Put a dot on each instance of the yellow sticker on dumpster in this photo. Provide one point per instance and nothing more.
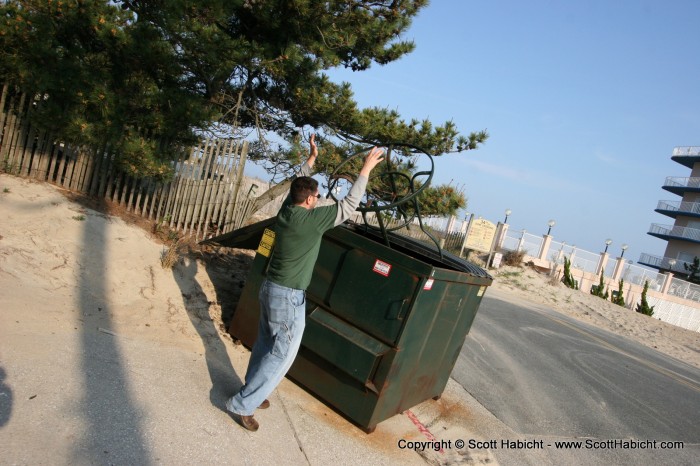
(266, 243)
(482, 290)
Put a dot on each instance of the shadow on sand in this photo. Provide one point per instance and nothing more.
(226, 273)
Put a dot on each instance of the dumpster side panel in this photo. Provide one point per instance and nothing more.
(454, 317)
(355, 353)
(430, 344)
(373, 293)
(337, 389)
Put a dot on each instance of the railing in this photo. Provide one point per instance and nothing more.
(681, 182)
(678, 206)
(557, 250)
(510, 243)
(530, 243)
(686, 150)
(663, 262)
(684, 289)
(580, 259)
(584, 260)
(520, 240)
(638, 275)
(692, 234)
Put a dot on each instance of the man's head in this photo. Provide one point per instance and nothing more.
(304, 192)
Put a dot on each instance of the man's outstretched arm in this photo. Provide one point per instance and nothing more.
(307, 168)
(349, 203)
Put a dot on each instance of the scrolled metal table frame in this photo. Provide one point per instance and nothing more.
(398, 204)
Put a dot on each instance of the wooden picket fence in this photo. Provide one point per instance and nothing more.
(208, 194)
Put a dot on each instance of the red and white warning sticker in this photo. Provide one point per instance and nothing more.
(382, 268)
(429, 284)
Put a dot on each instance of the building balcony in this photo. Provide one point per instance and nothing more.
(687, 155)
(663, 263)
(669, 232)
(675, 208)
(679, 186)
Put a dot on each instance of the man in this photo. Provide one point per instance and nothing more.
(298, 231)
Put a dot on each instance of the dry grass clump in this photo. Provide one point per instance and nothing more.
(513, 258)
(170, 255)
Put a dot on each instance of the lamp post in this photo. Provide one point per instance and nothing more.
(551, 223)
(627, 271)
(508, 212)
(671, 263)
(608, 242)
(624, 248)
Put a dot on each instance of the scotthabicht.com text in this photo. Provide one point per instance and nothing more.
(535, 444)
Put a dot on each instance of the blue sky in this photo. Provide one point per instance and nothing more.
(584, 102)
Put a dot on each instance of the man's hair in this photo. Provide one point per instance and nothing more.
(302, 187)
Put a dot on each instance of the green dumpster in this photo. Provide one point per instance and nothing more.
(384, 325)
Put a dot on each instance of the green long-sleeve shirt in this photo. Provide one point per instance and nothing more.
(298, 233)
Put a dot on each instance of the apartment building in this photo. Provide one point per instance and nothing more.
(683, 235)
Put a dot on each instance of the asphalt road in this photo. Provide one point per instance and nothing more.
(544, 376)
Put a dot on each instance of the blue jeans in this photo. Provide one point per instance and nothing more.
(282, 320)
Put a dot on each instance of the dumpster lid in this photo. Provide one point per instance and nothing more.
(420, 250)
(249, 237)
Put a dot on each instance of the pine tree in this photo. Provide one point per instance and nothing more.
(568, 279)
(619, 299)
(643, 307)
(147, 78)
(597, 290)
(693, 270)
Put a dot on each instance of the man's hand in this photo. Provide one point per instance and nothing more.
(375, 156)
(313, 151)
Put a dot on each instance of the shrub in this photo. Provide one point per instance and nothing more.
(568, 279)
(597, 290)
(170, 256)
(619, 299)
(643, 307)
(513, 258)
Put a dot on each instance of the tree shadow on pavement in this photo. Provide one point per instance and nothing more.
(113, 432)
(5, 399)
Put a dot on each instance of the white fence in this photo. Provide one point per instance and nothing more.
(638, 275)
(676, 314)
(531, 244)
(684, 289)
(590, 262)
(584, 260)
